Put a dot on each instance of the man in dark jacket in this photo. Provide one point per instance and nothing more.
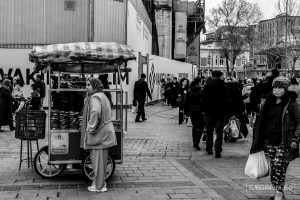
(41, 88)
(193, 108)
(216, 107)
(139, 92)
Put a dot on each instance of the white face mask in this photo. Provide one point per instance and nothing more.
(278, 92)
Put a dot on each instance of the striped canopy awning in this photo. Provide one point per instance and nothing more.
(81, 51)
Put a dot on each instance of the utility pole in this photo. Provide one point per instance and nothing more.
(286, 32)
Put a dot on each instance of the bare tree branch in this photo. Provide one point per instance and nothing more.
(230, 21)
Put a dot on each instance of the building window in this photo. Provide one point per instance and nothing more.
(221, 61)
(216, 61)
(244, 61)
(208, 60)
(203, 62)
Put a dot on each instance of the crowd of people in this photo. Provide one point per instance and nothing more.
(11, 95)
(269, 106)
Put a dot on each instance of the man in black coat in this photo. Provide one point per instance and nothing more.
(139, 94)
(216, 107)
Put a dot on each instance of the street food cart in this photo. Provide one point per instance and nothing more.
(69, 66)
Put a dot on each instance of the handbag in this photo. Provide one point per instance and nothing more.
(134, 102)
(178, 101)
(257, 166)
(134, 109)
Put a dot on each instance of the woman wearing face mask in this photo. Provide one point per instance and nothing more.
(97, 131)
(277, 131)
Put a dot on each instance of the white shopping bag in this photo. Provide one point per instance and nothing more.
(234, 129)
(257, 165)
(134, 109)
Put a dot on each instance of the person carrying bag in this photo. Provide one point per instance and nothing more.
(277, 131)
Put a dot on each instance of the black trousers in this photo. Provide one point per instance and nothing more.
(197, 120)
(181, 114)
(217, 124)
(141, 110)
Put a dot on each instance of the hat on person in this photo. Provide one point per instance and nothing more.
(216, 73)
(6, 83)
(281, 82)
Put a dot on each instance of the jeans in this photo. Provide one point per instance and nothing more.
(217, 124)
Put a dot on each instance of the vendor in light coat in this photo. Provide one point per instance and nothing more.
(98, 133)
(277, 131)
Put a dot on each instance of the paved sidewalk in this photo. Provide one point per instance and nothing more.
(159, 163)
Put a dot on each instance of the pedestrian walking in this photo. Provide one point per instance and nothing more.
(162, 89)
(193, 109)
(140, 90)
(174, 91)
(262, 89)
(246, 95)
(6, 101)
(215, 102)
(184, 86)
(296, 88)
(277, 131)
(97, 131)
(17, 88)
(167, 92)
(6, 76)
(17, 92)
(41, 88)
(237, 107)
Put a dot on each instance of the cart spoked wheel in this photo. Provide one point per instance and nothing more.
(43, 168)
(88, 168)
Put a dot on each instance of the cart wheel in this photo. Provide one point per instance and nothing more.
(88, 168)
(43, 168)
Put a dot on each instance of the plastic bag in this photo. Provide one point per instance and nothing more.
(257, 165)
(134, 109)
(234, 129)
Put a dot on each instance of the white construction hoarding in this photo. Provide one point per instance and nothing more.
(139, 37)
(15, 62)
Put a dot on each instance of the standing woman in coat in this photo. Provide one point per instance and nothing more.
(97, 131)
(6, 101)
(277, 130)
(184, 86)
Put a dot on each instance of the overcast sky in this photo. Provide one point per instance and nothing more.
(267, 6)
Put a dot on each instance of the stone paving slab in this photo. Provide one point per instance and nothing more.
(159, 163)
